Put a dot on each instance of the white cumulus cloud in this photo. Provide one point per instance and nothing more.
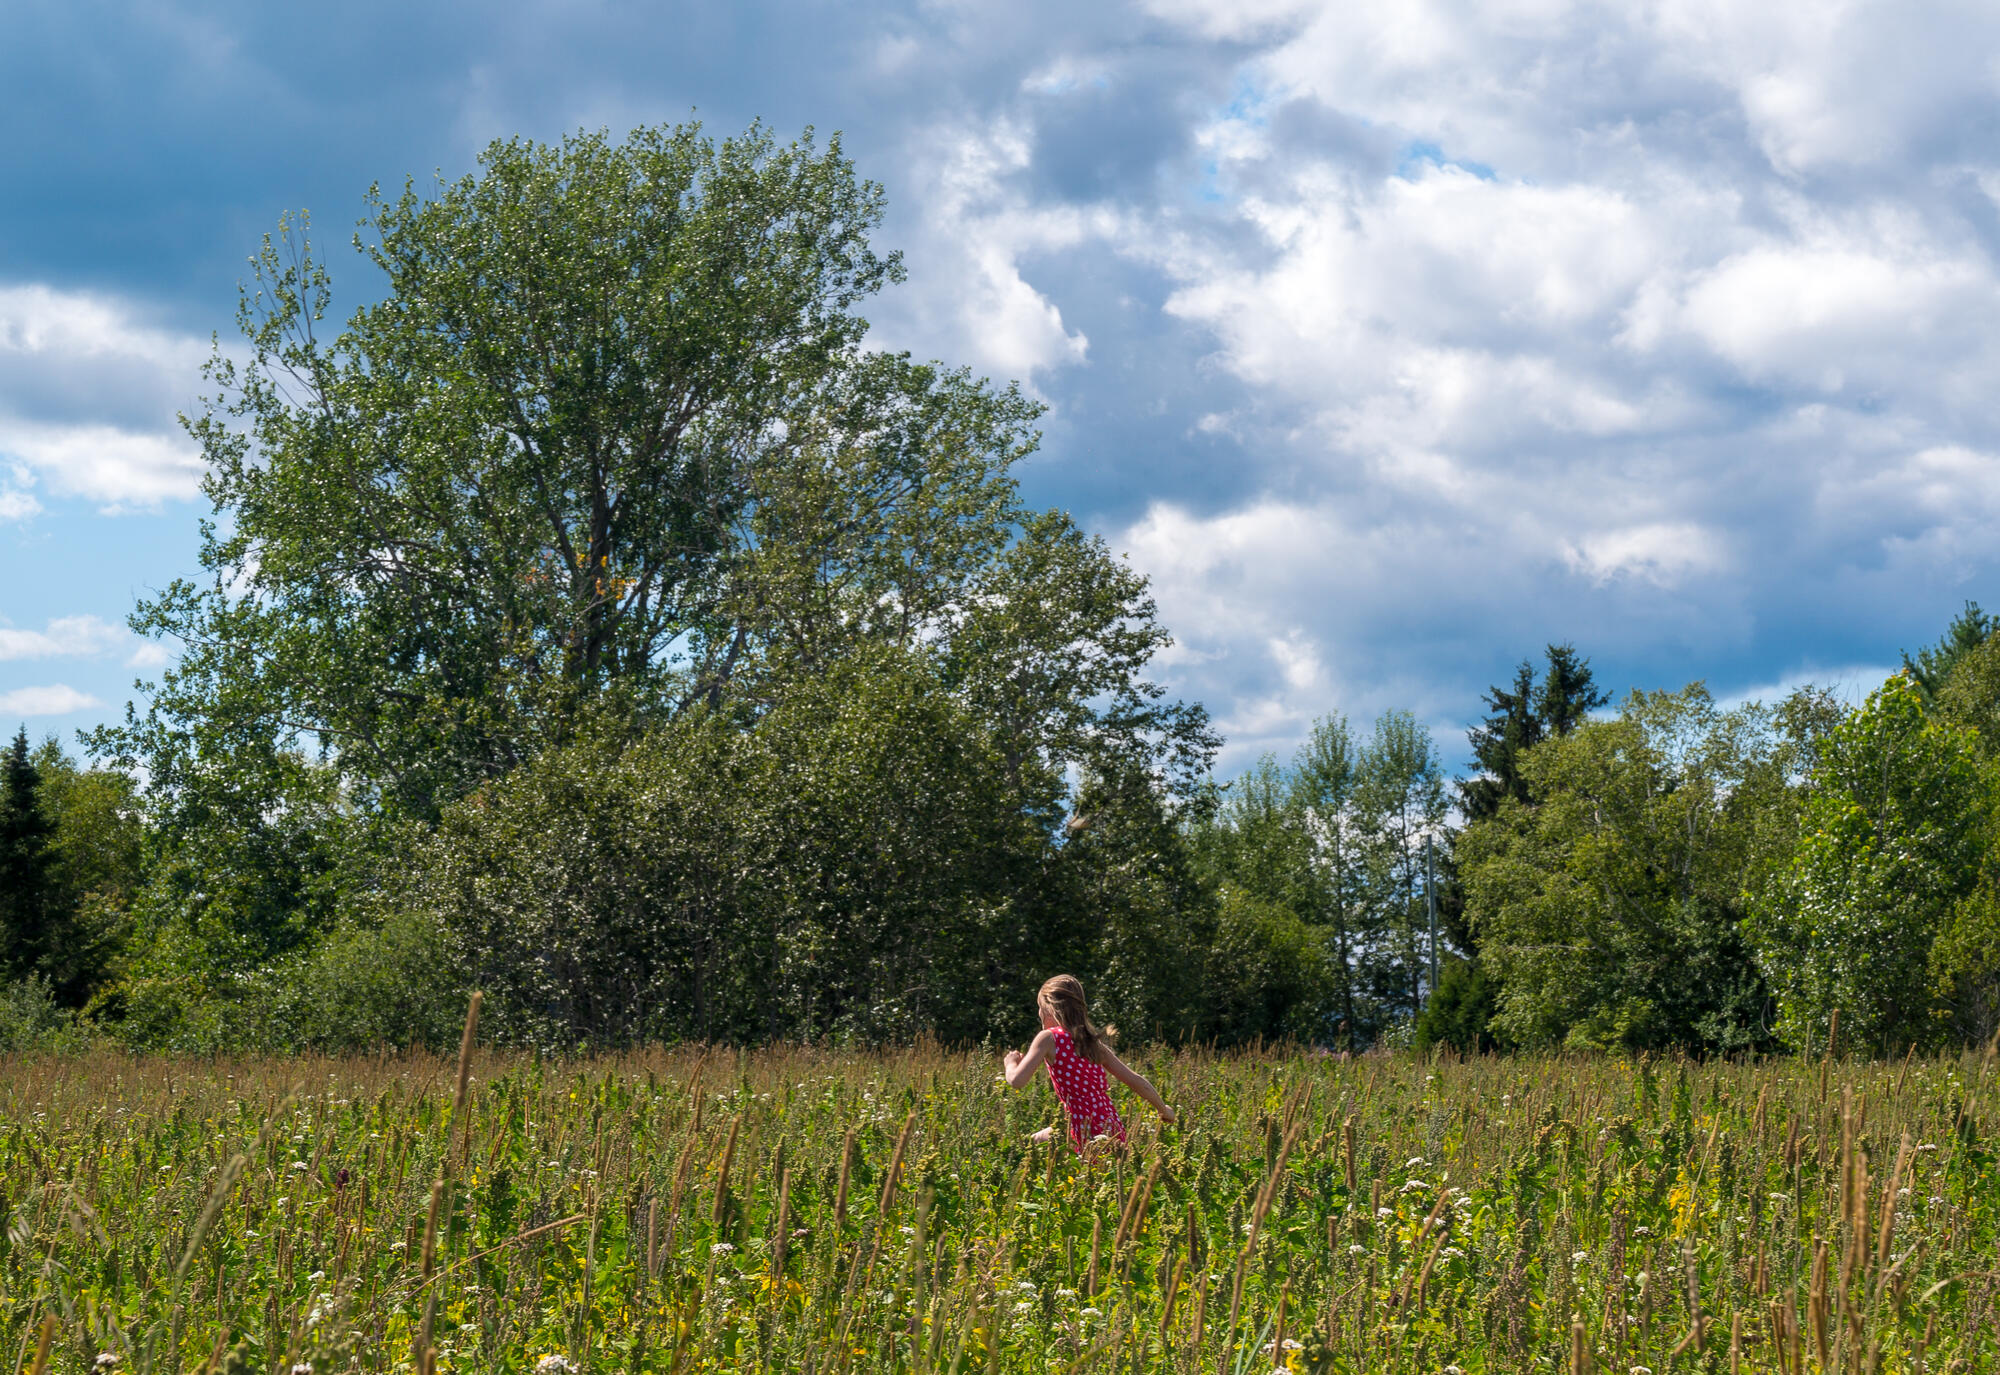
(88, 398)
(55, 699)
(64, 636)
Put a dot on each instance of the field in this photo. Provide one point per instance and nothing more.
(805, 1210)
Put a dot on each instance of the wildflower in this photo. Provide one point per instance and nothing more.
(300, 1167)
(1022, 1310)
(553, 1365)
(1385, 1212)
(1642, 1370)
(106, 1359)
(1413, 1162)
(1934, 1200)
(315, 1277)
(907, 1231)
(1357, 1249)
(722, 1248)
(1026, 1286)
(1453, 1370)
(1578, 1257)
(468, 1327)
(1065, 1293)
(1452, 1253)
(1093, 1312)
(399, 1245)
(302, 1368)
(1642, 1231)
(1290, 1345)
(1927, 1146)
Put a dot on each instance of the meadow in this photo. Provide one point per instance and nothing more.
(815, 1210)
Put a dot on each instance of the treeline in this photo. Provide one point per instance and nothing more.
(1673, 874)
(595, 622)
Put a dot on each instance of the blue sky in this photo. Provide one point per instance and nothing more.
(1391, 345)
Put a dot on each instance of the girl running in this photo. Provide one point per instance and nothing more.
(1078, 1055)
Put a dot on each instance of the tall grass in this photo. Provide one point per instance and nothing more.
(804, 1209)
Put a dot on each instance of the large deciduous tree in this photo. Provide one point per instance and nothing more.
(609, 449)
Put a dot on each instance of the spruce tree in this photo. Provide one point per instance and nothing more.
(26, 855)
(1931, 666)
(1521, 718)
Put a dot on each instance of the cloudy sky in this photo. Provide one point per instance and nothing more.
(1391, 341)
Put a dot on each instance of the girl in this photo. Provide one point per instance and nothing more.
(1078, 1055)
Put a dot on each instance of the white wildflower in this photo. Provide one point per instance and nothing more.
(1385, 1212)
(1093, 1312)
(1452, 1253)
(1357, 1249)
(1578, 1257)
(1022, 1310)
(302, 1368)
(1065, 1293)
(722, 1248)
(300, 1166)
(1413, 1162)
(106, 1359)
(553, 1365)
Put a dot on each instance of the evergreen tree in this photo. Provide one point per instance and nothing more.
(1933, 665)
(26, 851)
(1521, 719)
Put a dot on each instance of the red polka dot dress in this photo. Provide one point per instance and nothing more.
(1079, 1084)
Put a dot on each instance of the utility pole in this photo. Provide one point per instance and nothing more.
(1431, 903)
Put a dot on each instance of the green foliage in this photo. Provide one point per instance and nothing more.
(1331, 846)
(1522, 717)
(598, 603)
(1269, 974)
(71, 863)
(1460, 1013)
(29, 915)
(1934, 665)
(1609, 910)
(1894, 826)
(859, 863)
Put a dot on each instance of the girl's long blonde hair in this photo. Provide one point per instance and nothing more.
(1062, 998)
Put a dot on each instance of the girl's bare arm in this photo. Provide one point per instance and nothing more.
(1136, 1082)
(1021, 1068)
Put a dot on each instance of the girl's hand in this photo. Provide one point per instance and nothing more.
(1011, 1059)
(1168, 1115)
